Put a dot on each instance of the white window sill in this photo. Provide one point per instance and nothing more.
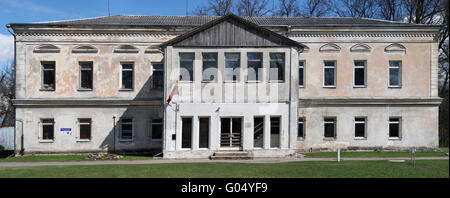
(301, 86)
(84, 89)
(46, 141)
(359, 86)
(360, 138)
(254, 81)
(330, 87)
(257, 148)
(209, 81)
(125, 89)
(394, 138)
(300, 139)
(83, 140)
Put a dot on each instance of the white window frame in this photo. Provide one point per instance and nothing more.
(360, 122)
(261, 79)
(304, 72)
(43, 88)
(225, 67)
(399, 74)
(79, 123)
(121, 75)
(41, 130)
(303, 121)
(365, 73)
(132, 129)
(399, 122)
(335, 73)
(284, 71)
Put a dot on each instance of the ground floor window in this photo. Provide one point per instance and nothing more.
(204, 132)
(48, 126)
(360, 127)
(157, 129)
(85, 128)
(275, 132)
(230, 132)
(258, 132)
(126, 129)
(186, 132)
(301, 128)
(330, 127)
(394, 127)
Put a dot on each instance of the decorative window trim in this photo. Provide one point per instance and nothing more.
(395, 47)
(41, 131)
(360, 47)
(46, 48)
(126, 49)
(330, 47)
(85, 49)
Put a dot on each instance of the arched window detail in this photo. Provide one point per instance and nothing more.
(360, 47)
(85, 49)
(46, 48)
(395, 47)
(126, 49)
(329, 47)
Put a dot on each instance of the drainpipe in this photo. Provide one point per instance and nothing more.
(114, 134)
(290, 99)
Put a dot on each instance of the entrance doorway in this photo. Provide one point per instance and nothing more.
(230, 133)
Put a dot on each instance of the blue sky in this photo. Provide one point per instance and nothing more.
(19, 11)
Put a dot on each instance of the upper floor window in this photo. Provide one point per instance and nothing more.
(127, 75)
(276, 67)
(86, 75)
(186, 66)
(48, 75)
(209, 72)
(254, 64)
(329, 74)
(395, 73)
(360, 74)
(158, 76)
(301, 73)
(232, 67)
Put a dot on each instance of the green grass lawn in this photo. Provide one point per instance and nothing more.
(60, 158)
(377, 154)
(344, 169)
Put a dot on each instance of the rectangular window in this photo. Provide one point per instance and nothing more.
(276, 67)
(275, 132)
(360, 127)
(127, 75)
(360, 74)
(157, 129)
(86, 75)
(48, 126)
(232, 67)
(301, 73)
(394, 127)
(126, 129)
(254, 64)
(395, 73)
(209, 72)
(158, 76)
(186, 133)
(187, 66)
(258, 132)
(48, 75)
(203, 132)
(330, 127)
(85, 128)
(329, 72)
(301, 128)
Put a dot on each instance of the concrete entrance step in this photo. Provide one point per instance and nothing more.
(231, 155)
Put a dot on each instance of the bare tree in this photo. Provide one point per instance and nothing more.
(215, 7)
(287, 8)
(7, 93)
(253, 8)
(422, 11)
(391, 10)
(314, 8)
(355, 8)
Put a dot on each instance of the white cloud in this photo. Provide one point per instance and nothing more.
(6, 48)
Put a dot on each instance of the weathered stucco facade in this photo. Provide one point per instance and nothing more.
(110, 42)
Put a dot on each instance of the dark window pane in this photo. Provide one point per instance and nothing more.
(186, 133)
(47, 131)
(157, 129)
(258, 132)
(85, 131)
(276, 66)
(86, 79)
(359, 76)
(127, 79)
(300, 130)
(48, 75)
(360, 130)
(275, 132)
(127, 128)
(204, 133)
(232, 67)
(394, 76)
(209, 67)
(300, 76)
(329, 76)
(254, 64)
(329, 128)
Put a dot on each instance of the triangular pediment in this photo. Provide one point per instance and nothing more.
(231, 31)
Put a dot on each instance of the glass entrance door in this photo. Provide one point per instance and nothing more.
(230, 133)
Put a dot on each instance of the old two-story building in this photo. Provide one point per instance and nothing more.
(266, 86)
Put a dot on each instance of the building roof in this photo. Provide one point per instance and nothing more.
(131, 20)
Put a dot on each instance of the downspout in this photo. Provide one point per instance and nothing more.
(163, 102)
(114, 134)
(9, 28)
(290, 99)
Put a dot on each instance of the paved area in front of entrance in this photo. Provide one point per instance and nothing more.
(162, 161)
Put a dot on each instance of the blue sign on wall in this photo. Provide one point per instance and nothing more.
(66, 131)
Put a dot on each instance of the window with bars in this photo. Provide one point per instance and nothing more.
(48, 127)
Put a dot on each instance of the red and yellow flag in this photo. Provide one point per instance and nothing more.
(173, 93)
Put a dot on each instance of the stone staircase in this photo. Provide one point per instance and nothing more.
(231, 155)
